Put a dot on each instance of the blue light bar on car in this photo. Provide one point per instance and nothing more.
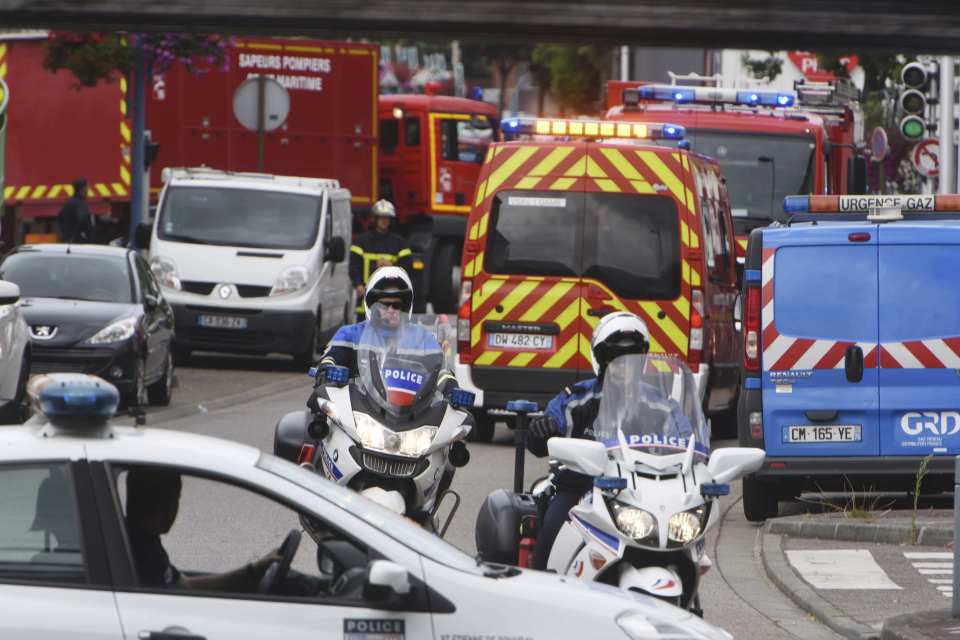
(709, 95)
(918, 203)
(73, 395)
(604, 129)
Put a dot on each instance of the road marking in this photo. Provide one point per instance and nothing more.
(934, 563)
(853, 569)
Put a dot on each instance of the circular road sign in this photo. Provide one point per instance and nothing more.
(926, 157)
(878, 144)
(276, 103)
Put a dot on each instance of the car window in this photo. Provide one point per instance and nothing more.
(632, 244)
(40, 538)
(143, 277)
(411, 131)
(70, 276)
(535, 233)
(389, 136)
(913, 273)
(195, 539)
(461, 141)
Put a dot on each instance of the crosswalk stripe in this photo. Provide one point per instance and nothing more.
(854, 569)
(940, 580)
(928, 555)
(934, 572)
(933, 565)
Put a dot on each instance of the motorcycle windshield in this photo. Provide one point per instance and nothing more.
(399, 362)
(651, 401)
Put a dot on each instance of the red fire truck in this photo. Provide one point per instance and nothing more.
(431, 151)
(769, 144)
(57, 132)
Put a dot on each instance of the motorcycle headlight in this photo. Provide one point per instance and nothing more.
(290, 279)
(374, 435)
(117, 332)
(632, 522)
(165, 272)
(684, 527)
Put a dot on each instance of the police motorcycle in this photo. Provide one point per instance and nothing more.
(388, 433)
(655, 492)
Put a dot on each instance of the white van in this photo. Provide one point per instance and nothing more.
(250, 262)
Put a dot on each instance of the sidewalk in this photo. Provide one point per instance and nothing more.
(864, 578)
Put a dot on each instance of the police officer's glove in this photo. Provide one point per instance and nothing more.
(544, 427)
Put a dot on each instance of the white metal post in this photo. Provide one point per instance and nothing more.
(947, 147)
(624, 62)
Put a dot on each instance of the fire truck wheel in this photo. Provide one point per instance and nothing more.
(444, 283)
(483, 427)
(759, 500)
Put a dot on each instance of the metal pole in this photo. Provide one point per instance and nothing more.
(261, 108)
(947, 171)
(956, 538)
(520, 450)
(624, 62)
(137, 189)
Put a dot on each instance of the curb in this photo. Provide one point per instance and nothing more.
(778, 570)
(933, 535)
(169, 415)
(905, 627)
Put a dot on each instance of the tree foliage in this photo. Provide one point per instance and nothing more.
(577, 74)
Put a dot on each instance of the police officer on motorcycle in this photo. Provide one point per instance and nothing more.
(377, 248)
(572, 413)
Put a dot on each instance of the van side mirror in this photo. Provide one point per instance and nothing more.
(336, 250)
(857, 175)
(9, 293)
(142, 234)
(385, 579)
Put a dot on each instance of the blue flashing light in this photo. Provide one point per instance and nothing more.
(511, 125)
(684, 95)
(673, 132)
(610, 483)
(752, 276)
(796, 204)
(522, 406)
(683, 144)
(313, 371)
(71, 395)
(785, 100)
(462, 398)
(714, 490)
(336, 376)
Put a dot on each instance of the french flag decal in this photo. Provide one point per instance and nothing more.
(402, 385)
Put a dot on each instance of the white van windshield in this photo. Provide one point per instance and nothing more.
(239, 217)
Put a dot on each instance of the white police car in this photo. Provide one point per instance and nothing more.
(75, 561)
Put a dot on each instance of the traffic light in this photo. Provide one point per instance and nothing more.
(913, 100)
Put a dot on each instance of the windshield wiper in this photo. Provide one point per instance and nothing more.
(177, 237)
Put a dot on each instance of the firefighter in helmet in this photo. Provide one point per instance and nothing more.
(378, 247)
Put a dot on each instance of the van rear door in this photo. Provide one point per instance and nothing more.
(819, 322)
(919, 339)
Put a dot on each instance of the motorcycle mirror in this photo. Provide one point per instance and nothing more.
(733, 462)
(585, 456)
(459, 455)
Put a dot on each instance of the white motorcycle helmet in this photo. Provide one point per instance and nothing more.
(383, 208)
(617, 334)
(389, 282)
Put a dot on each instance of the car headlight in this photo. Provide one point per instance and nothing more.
(165, 272)
(640, 626)
(632, 522)
(117, 332)
(290, 279)
(374, 435)
(685, 526)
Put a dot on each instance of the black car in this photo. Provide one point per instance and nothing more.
(96, 309)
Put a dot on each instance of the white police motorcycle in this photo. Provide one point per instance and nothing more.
(389, 433)
(655, 494)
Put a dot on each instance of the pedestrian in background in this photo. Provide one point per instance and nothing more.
(75, 218)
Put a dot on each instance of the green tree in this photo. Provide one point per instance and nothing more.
(479, 59)
(578, 74)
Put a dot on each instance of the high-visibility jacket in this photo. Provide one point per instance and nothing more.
(372, 247)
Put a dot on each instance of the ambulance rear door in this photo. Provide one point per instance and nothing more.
(919, 338)
(640, 226)
(819, 336)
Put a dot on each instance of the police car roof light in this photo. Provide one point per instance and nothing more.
(879, 207)
(564, 128)
(708, 95)
(73, 396)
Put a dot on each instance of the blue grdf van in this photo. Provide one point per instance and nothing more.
(851, 331)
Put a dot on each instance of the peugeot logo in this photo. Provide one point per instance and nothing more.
(43, 331)
(224, 291)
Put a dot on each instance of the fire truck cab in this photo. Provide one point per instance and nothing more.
(576, 219)
(770, 144)
(431, 151)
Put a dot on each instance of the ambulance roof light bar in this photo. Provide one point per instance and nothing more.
(708, 95)
(559, 127)
(878, 208)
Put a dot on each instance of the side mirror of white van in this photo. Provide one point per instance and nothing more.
(734, 462)
(584, 456)
(335, 251)
(142, 234)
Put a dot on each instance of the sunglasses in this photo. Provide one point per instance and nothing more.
(392, 304)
